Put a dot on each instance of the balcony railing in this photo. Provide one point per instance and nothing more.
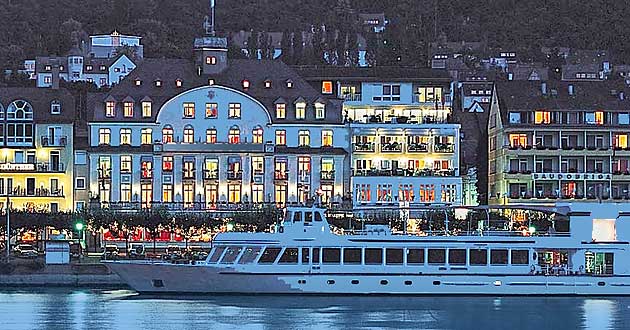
(36, 192)
(412, 119)
(210, 174)
(280, 175)
(54, 141)
(418, 147)
(364, 147)
(407, 172)
(188, 174)
(32, 167)
(146, 174)
(235, 175)
(104, 173)
(327, 175)
(392, 147)
(352, 97)
(444, 148)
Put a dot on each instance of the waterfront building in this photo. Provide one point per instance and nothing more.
(107, 45)
(558, 140)
(215, 132)
(36, 142)
(404, 144)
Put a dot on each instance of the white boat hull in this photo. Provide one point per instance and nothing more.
(204, 279)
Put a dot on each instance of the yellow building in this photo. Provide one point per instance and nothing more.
(36, 129)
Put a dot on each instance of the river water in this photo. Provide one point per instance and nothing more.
(121, 309)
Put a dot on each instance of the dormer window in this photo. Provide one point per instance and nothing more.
(61, 68)
(210, 82)
(320, 110)
(178, 83)
(267, 83)
(47, 68)
(158, 83)
(327, 87)
(128, 109)
(289, 83)
(103, 68)
(300, 110)
(211, 60)
(110, 109)
(245, 84)
(89, 68)
(138, 82)
(55, 107)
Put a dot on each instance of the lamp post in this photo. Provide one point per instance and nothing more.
(8, 229)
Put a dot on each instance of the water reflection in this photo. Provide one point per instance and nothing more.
(86, 309)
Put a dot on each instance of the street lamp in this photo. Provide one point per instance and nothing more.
(8, 228)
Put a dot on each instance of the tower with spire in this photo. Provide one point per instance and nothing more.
(210, 51)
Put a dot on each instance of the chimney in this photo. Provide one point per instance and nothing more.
(55, 73)
(571, 90)
(543, 88)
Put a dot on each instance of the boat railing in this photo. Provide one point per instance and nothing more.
(511, 233)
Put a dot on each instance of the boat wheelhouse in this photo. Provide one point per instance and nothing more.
(582, 252)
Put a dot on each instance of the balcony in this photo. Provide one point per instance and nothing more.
(327, 175)
(104, 173)
(352, 97)
(403, 120)
(188, 174)
(405, 172)
(211, 174)
(146, 174)
(32, 167)
(36, 192)
(364, 147)
(418, 147)
(54, 141)
(281, 175)
(437, 103)
(391, 147)
(444, 148)
(235, 175)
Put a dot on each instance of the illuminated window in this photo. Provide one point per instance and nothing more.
(210, 82)
(281, 110)
(245, 84)
(327, 138)
(89, 68)
(104, 136)
(429, 94)
(125, 136)
(518, 140)
(427, 193)
(110, 109)
(212, 110)
(320, 110)
(405, 193)
(146, 136)
(300, 110)
(234, 111)
(167, 193)
(449, 193)
(599, 117)
(211, 135)
(267, 83)
(138, 82)
(620, 140)
(234, 135)
(125, 164)
(178, 83)
(125, 192)
(363, 192)
(327, 87)
(158, 83)
(281, 137)
(289, 83)
(189, 134)
(146, 168)
(384, 193)
(146, 109)
(258, 165)
(211, 60)
(167, 134)
(304, 165)
(167, 164)
(257, 135)
(128, 109)
(304, 138)
(542, 117)
(189, 110)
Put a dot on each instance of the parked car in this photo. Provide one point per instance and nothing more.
(136, 251)
(25, 251)
(173, 252)
(110, 252)
(196, 253)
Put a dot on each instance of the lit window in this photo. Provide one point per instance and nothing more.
(281, 137)
(55, 107)
(599, 117)
(167, 163)
(212, 110)
(102, 68)
(47, 68)
(518, 140)
(620, 140)
(189, 110)
(189, 134)
(211, 60)
(281, 110)
(125, 164)
(210, 82)
(146, 109)
(289, 83)
(48, 80)
(128, 109)
(178, 83)
(146, 136)
(234, 135)
(304, 138)
(138, 82)
(88, 68)
(300, 110)
(327, 138)
(429, 94)
(245, 84)
(234, 111)
(125, 136)
(320, 110)
(104, 136)
(167, 134)
(257, 135)
(542, 117)
(267, 83)
(158, 83)
(110, 109)
(211, 135)
(327, 87)
(61, 68)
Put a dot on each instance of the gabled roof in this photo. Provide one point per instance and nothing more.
(40, 99)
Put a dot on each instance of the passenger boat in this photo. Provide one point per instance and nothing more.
(304, 256)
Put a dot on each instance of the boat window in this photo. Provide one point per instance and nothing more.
(436, 256)
(352, 256)
(216, 254)
(478, 257)
(249, 255)
(456, 256)
(269, 255)
(230, 254)
(331, 255)
(415, 256)
(297, 216)
(373, 256)
(318, 216)
(393, 256)
(520, 257)
(290, 256)
(498, 257)
(315, 255)
(308, 216)
(305, 255)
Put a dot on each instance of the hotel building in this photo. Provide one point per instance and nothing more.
(36, 142)
(404, 145)
(551, 141)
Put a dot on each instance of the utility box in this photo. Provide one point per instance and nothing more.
(57, 252)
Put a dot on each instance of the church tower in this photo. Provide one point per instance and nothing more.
(210, 51)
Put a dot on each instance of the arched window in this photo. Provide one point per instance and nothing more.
(257, 135)
(20, 110)
(304, 138)
(189, 134)
(167, 134)
(146, 136)
(19, 129)
(211, 135)
(234, 135)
